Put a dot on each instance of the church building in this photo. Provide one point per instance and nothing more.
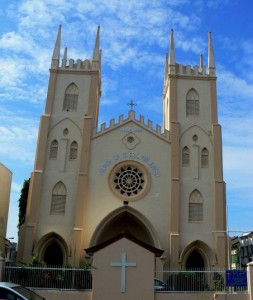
(163, 185)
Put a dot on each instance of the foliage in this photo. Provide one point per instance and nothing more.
(87, 265)
(23, 202)
(218, 281)
(36, 262)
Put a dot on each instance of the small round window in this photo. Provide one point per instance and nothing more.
(129, 180)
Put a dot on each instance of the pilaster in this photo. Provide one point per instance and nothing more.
(42, 143)
(82, 190)
(174, 215)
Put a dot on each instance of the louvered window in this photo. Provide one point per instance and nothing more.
(192, 103)
(58, 202)
(195, 207)
(70, 98)
(186, 157)
(53, 150)
(73, 151)
(204, 158)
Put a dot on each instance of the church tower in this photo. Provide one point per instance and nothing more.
(197, 196)
(163, 186)
(62, 157)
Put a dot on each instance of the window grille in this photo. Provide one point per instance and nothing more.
(73, 151)
(53, 150)
(70, 98)
(58, 202)
(186, 157)
(204, 158)
(192, 103)
(195, 207)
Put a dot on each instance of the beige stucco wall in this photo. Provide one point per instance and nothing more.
(64, 295)
(83, 295)
(5, 186)
(153, 207)
(205, 180)
(139, 280)
(202, 296)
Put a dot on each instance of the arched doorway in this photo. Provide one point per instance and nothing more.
(195, 261)
(197, 255)
(128, 221)
(53, 254)
(52, 249)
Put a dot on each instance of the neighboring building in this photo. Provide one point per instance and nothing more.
(5, 188)
(164, 186)
(10, 250)
(241, 250)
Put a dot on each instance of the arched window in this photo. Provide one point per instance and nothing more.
(185, 157)
(73, 151)
(53, 150)
(204, 158)
(192, 103)
(59, 196)
(195, 207)
(70, 97)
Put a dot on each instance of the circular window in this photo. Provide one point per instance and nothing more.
(195, 138)
(129, 181)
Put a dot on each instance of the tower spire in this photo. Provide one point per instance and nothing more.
(172, 62)
(96, 51)
(172, 51)
(57, 48)
(211, 63)
(166, 66)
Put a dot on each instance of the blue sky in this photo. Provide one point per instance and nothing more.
(134, 41)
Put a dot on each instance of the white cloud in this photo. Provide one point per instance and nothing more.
(16, 187)
(18, 137)
(235, 91)
(11, 72)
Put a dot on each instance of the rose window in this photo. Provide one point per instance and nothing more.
(129, 181)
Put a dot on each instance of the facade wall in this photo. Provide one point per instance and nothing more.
(112, 161)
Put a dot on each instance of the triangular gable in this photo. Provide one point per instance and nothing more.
(90, 251)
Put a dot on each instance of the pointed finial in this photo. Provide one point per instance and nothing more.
(172, 51)
(64, 60)
(65, 53)
(57, 48)
(96, 52)
(211, 63)
(166, 66)
(201, 61)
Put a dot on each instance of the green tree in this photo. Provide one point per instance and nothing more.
(23, 202)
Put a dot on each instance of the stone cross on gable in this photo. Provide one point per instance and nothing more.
(132, 104)
(123, 264)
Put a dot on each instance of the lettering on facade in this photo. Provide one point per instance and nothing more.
(130, 129)
(117, 157)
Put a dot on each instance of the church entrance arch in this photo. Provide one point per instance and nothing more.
(128, 221)
(52, 250)
(197, 255)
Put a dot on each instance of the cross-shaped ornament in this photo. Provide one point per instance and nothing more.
(132, 104)
(123, 264)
